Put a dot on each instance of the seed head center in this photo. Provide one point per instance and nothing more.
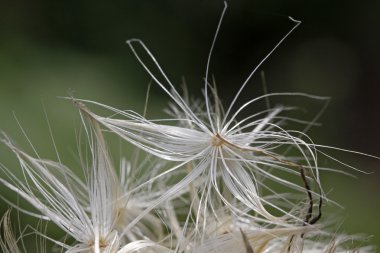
(217, 140)
(102, 243)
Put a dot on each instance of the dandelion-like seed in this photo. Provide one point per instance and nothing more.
(95, 212)
(227, 153)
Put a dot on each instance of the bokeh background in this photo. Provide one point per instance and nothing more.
(49, 49)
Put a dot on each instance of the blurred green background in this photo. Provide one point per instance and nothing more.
(51, 48)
